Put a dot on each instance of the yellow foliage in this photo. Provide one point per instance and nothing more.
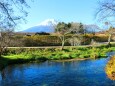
(110, 68)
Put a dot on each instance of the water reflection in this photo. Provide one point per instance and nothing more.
(110, 68)
(49, 73)
(0, 77)
(2, 74)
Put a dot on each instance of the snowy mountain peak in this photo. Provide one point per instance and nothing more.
(48, 22)
(45, 26)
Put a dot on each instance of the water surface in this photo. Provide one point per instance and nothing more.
(49, 73)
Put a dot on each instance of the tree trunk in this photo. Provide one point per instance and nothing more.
(109, 40)
(62, 46)
(0, 55)
(0, 52)
(63, 43)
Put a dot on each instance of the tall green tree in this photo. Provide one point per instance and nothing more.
(81, 28)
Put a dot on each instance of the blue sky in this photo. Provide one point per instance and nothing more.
(61, 10)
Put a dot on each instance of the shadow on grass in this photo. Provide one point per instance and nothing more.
(6, 61)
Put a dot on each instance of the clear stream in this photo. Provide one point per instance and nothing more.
(49, 73)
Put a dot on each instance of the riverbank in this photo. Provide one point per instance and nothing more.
(69, 60)
(24, 55)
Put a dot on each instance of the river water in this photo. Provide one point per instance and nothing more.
(49, 73)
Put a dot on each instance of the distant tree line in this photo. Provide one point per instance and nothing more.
(76, 30)
(54, 40)
(66, 34)
(73, 34)
(42, 33)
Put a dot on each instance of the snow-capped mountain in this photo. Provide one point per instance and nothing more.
(45, 26)
(49, 22)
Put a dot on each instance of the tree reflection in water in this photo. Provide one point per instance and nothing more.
(110, 68)
(0, 77)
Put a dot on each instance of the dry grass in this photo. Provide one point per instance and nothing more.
(110, 68)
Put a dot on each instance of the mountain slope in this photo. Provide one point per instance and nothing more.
(45, 26)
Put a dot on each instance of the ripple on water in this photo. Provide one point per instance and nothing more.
(75, 73)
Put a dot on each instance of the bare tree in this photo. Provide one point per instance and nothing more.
(12, 12)
(75, 40)
(77, 30)
(5, 39)
(106, 11)
(62, 29)
(106, 14)
(110, 32)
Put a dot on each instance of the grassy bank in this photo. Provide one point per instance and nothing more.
(22, 55)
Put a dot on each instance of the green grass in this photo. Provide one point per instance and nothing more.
(19, 55)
